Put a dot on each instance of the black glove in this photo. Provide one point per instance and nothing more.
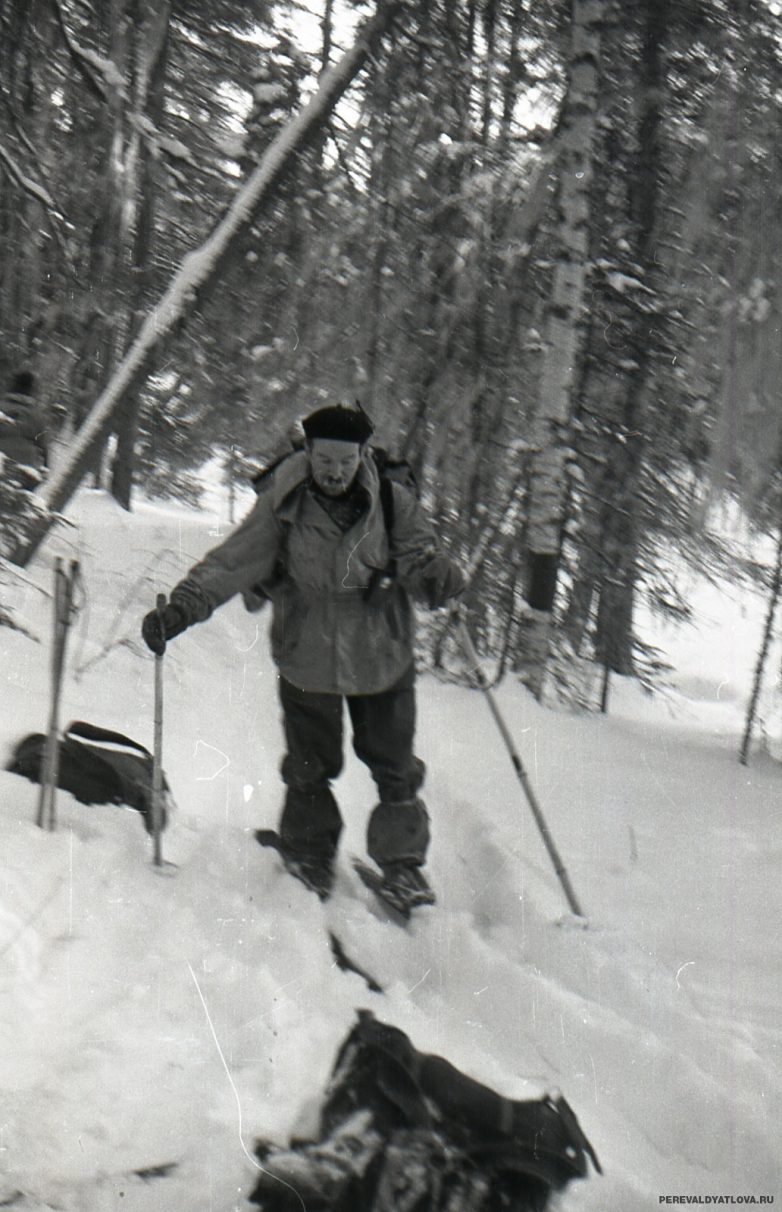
(381, 584)
(442, 580)
(159, 627)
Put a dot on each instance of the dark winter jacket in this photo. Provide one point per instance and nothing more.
(328, 635)
(22, 430)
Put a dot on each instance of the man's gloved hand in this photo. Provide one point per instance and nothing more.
(159, 627)
(442, 580)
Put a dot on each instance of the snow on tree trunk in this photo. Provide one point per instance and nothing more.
(195, 272)
(562, 337)
(617, 404)
(768, 632)
(146, 72)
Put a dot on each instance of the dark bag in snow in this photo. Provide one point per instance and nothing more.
(96, 765)
(405, 1131)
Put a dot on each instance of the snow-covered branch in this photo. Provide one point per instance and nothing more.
(108, 84)
(53, 215)
(82, 57)
(202, 264)
(26, 183)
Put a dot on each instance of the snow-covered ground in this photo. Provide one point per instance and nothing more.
(153, 1026)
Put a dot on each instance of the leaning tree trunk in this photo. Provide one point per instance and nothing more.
(563, 339)
(197, 272)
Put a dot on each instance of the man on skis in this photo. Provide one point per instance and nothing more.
(339, 554)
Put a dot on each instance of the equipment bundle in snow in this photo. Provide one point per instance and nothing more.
(96, 765)
(403, 1131)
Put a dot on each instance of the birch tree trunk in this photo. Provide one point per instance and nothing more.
(562, 337)
(198, 269)
(760, 664)
(146, 79)
(627, 328)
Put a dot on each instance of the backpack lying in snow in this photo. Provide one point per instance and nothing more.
(96, 765)
(405, 1131)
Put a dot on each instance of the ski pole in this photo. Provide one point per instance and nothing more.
(157, 752)
(48, 776)
(518, 766)
(63, 607)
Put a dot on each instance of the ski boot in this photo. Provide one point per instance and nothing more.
(405, 887)
(315, 873)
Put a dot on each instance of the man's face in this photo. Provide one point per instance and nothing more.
(333, 464)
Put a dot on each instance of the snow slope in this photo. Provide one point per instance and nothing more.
(154, 1025)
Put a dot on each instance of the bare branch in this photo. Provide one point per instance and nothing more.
(26, 183)
(341, 158)
(52, 213)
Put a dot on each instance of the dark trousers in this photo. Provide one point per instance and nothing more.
(383, 731)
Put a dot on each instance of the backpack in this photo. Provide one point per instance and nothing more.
(405, 1129)
(390, 471)
(96, 765)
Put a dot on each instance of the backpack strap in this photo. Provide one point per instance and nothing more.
(387, 504)
(262, 478)
(93, 732)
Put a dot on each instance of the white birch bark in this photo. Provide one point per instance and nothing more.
(760, 664)
(563, 321)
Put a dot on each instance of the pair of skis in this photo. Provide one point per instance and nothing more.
(370, 877)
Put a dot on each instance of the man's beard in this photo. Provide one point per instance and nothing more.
(335, 487)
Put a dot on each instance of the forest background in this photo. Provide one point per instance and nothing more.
(538, 241)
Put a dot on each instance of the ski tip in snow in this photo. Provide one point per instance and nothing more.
(346, 964)
(572, 921)
(165, 867)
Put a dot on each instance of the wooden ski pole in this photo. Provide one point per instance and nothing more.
(64, 585)
(157, 752)
(45, 813)
(521, 773)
